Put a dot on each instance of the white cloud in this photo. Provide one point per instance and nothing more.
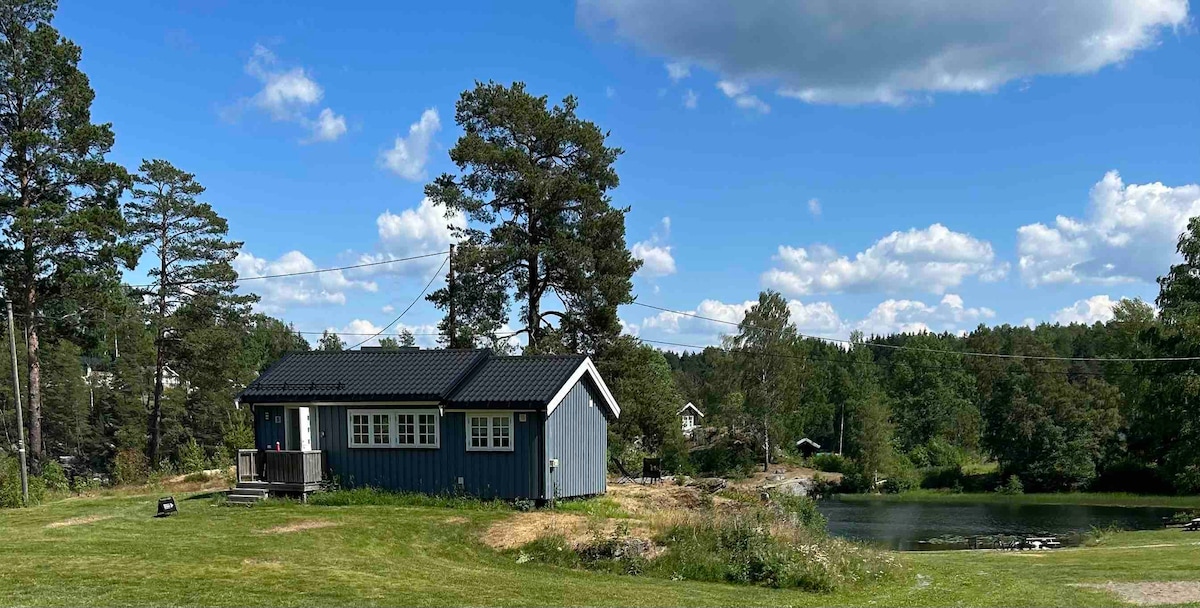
(814, 207)
(287, 94)
(857, 51)
(1129, 233)
(328, 126)
(737, 91)
(1096, 309)
(911, 316)
(408, 155)
(818, 319)
(933, 259)
(690, 99)
(415, 231)
(677, 71)
(656, 257)
(358, 330)
(278, 294)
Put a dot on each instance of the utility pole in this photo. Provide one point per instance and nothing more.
(451, 320)
(12, 349)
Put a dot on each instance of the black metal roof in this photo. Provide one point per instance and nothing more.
(455, 378)
(515, 381)
(394, 375)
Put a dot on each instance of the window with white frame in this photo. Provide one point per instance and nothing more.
(689, 421)
(489, 432)
(393, 428)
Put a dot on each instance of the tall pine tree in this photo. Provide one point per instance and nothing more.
(535, 184)
(187, 242)
(58, 195)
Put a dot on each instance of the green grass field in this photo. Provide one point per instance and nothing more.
(110, 551)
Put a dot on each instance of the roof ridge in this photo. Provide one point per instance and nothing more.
(477, 363)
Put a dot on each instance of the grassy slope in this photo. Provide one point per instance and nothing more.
(1079, 498)
(378, 555)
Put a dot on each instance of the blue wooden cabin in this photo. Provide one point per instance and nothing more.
(433, 421)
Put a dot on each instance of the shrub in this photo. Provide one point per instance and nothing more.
(197, 477)
(191, 457)
(130, 467)
(800, 511)
(1012, 485)
(830, 463)
(823, 487)
(54, 477)
(10, 484)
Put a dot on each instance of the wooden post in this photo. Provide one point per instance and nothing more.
(12, 349)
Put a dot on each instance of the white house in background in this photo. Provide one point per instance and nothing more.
(690, 416)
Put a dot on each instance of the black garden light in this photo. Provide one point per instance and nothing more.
(166, 506)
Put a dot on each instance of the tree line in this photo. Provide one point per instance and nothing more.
(1080, 408)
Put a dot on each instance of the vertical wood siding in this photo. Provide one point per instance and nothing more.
(506, 475)
(266, 431)
(577, 435)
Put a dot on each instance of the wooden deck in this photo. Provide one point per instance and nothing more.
(281, 471)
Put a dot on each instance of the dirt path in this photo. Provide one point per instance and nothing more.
(1151, 594)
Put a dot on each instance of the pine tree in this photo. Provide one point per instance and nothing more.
(535, 187)
(58, 195)
(187, 241)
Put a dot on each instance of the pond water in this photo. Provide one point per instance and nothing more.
(912, 525)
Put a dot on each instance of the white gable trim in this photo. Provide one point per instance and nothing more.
(587, 367)
(693, 407)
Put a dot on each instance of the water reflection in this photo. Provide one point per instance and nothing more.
(904, 525)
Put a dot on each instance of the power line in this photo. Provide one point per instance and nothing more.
(304, 272)
(939, 350)
(435, 275)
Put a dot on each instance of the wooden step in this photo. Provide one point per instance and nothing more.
(244, 499)
(240, 489)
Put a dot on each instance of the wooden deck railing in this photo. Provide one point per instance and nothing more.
(274, 466)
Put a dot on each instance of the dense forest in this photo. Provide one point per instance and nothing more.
(120, 381)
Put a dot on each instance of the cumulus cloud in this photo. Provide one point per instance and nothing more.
(912, 316)
(415, 231)
(856, 51)
(739, 93)
(1128, 234)
(328, 126)
(408, 155)
(358, 330)
(1096, 309)
(287, 95)
(818, 319)
(326, 288)
(656, 257)
(933, 259)
(814, 207)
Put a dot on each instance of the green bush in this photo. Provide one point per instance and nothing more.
(130, 467)
(197, 477)
(1012, 485)
(10, 484)
(831, 463)
(54, 477)
(191, 457)
(799, 510)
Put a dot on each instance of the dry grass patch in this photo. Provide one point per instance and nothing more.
(262, 564)
(299, 526)
(524, 528)
(458, 521)
(1151, 594)
(77, 521)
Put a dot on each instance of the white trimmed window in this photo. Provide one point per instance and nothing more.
(489, 432)
(394, 429)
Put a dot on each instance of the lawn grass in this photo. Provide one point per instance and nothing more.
(1077, 498)
(115, 553)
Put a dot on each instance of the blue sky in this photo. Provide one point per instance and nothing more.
(887, 166)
